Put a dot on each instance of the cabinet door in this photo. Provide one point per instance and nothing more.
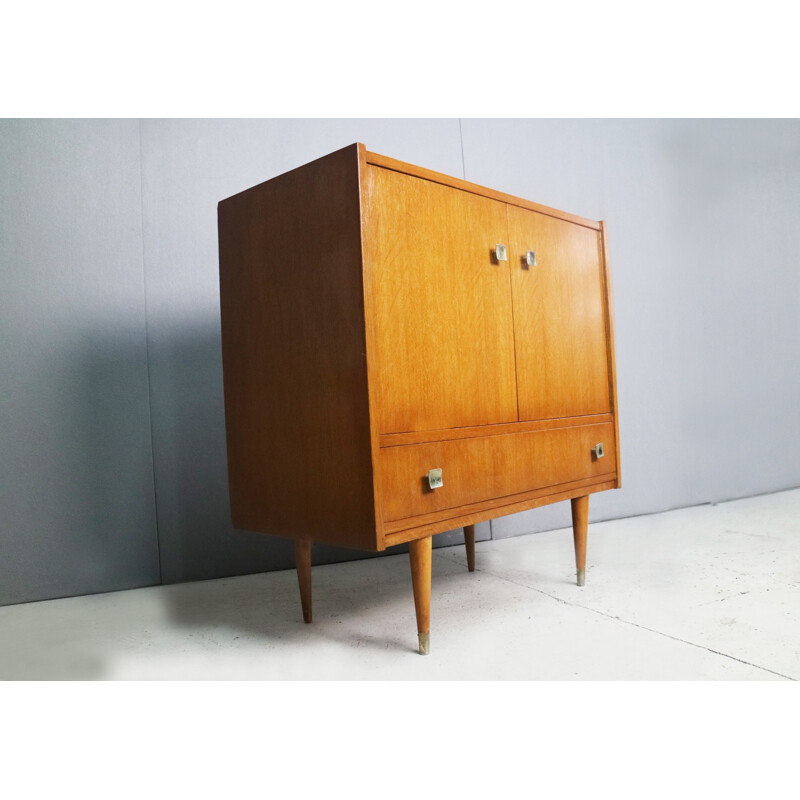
(442, 304)
(559, 317)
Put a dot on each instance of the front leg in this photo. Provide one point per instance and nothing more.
(420, 552)
(580, 528)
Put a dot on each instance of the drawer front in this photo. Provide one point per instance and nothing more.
(489, 467)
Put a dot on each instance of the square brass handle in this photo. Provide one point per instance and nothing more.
(435, 479)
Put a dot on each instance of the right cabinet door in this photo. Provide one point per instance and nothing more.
(559, 317)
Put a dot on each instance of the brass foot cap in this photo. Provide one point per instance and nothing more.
(581, 577)
(424, 644)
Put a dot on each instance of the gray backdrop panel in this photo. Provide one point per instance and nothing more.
(77, 513)
(703, 238)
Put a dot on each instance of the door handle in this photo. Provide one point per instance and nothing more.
(434, 477)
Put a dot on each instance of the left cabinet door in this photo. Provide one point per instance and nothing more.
(444, 332)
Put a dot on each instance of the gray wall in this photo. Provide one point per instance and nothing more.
(77, 512)
(111, 422)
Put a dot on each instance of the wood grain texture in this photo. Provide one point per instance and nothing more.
(466, 516)
(490, 467)
(494, 507)
(473, 188)
(559, 317)
(363, 317)
(294, 360)
(371, 346)
(441, 304)
(420, 555)
(612, 357)
(419, 437)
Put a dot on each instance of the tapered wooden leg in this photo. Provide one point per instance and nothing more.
(302, 557)
(469, 541)
(420, 553)
(580, 527)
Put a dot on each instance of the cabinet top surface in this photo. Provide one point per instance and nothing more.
(368, 157)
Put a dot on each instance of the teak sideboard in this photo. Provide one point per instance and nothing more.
(405, 353)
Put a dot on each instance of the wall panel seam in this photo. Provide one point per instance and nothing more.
(147, 355)
(461, 137)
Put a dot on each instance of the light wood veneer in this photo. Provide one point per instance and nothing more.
(372, 331)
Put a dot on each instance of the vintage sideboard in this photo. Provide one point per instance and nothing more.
(405, 353)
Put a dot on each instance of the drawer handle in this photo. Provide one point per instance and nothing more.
(501, 252)
(530, 258)
(435, 479)
(597, 451)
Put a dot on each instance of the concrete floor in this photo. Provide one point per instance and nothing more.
(711, 592)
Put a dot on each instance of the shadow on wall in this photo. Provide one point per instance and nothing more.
(119, 525)
(76, 492)
(196, 538)
(83, 518)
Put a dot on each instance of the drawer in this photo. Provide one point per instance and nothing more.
(489, 467)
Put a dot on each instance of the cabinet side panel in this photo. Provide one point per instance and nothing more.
(293, 346)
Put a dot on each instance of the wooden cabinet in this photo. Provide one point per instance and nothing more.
(382, 323)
